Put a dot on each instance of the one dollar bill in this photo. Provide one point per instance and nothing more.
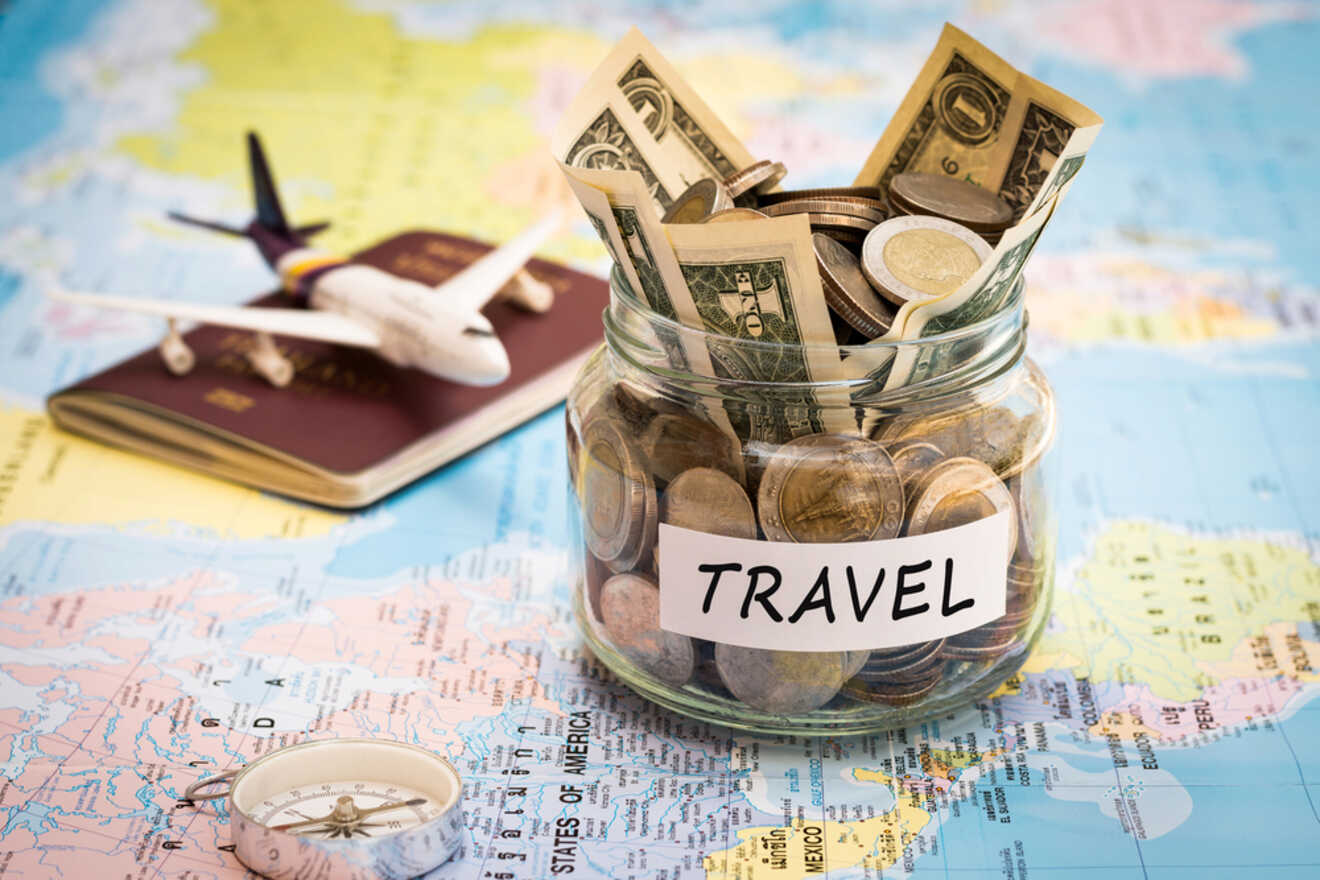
(757, 290)
(973, 116)
(636, 113)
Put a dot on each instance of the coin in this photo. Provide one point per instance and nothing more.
(761, 175)
(839, 221)
(630, 610)
(913, 460)
(830, 487)
(711, 501)
(869, 193)
(958, 491)
(618, 497)
(859, 210)
(676, 442)
(894, 693)
(729, 215)
(853, 662)
(698, 202)
(920, 258)
(960, 201)
(992, 434)
(781, 682)
(846, 288)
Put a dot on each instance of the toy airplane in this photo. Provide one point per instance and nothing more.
(437, 329)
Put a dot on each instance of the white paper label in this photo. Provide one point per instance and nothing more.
(833, 597)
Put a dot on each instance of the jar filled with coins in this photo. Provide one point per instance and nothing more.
(811, 555)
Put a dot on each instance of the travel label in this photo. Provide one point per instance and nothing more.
(833, 597)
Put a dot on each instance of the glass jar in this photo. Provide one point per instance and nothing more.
(811, 557)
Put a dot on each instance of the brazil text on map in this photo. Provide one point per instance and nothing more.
(160, 626)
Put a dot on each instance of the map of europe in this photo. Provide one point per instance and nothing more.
(159, 626)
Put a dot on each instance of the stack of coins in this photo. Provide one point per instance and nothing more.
(641, 461)
(845, 214)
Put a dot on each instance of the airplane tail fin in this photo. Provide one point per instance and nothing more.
(270, 231)
(269, 212)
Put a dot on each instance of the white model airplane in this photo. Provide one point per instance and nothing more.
(438, 329)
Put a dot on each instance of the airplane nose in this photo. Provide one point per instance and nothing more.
(494, 363)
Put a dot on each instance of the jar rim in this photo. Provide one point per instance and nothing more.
(1012, 313)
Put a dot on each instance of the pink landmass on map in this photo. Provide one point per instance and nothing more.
(1139, 39)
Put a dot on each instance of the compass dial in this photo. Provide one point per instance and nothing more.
(318, 810)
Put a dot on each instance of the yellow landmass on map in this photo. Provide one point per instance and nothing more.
(1172, 610)
(366, 126)
(813, 849)
(1110, 299)
(49, 476)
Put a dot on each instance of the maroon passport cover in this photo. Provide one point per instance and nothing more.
(347, 409)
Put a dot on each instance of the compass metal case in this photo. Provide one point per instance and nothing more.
(414, 825)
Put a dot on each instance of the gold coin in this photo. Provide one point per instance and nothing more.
(956, 492)
(829, 487)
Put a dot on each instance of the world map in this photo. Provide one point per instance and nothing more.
(159, 626)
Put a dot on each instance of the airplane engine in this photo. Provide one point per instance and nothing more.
(266, 359)
(179, 358)
(527, 292)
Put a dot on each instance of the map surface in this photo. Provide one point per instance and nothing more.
(158, 626)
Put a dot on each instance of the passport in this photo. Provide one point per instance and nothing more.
(350, 428)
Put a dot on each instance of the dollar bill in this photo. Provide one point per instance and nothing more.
(645, 254)
(984, 294)
(972, 115)
(636, 112)
(596, 205)
(756, 281)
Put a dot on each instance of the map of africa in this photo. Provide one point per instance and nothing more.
(159, 626)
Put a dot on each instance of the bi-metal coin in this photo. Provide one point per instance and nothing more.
(698, 202)
(920, 258)
(357, 809)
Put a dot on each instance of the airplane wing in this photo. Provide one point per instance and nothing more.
(302, 323)
(476, 284)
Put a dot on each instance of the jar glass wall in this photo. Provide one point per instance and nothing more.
(838, 557)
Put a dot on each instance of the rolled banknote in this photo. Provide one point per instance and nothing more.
(637, 113)
(972, 115)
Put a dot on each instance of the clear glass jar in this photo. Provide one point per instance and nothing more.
(834, 553)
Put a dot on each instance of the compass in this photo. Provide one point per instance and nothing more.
(342, 809)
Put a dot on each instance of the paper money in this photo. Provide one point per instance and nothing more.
(756, 281)
(596, 205)
(645, 254)
(981, 296)
(637, 113)
(972, 115)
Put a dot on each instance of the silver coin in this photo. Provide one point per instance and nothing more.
(782, 682)
(619, 506)
(630, 610)
(698, 202)
(846, 289)
(756, 177)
